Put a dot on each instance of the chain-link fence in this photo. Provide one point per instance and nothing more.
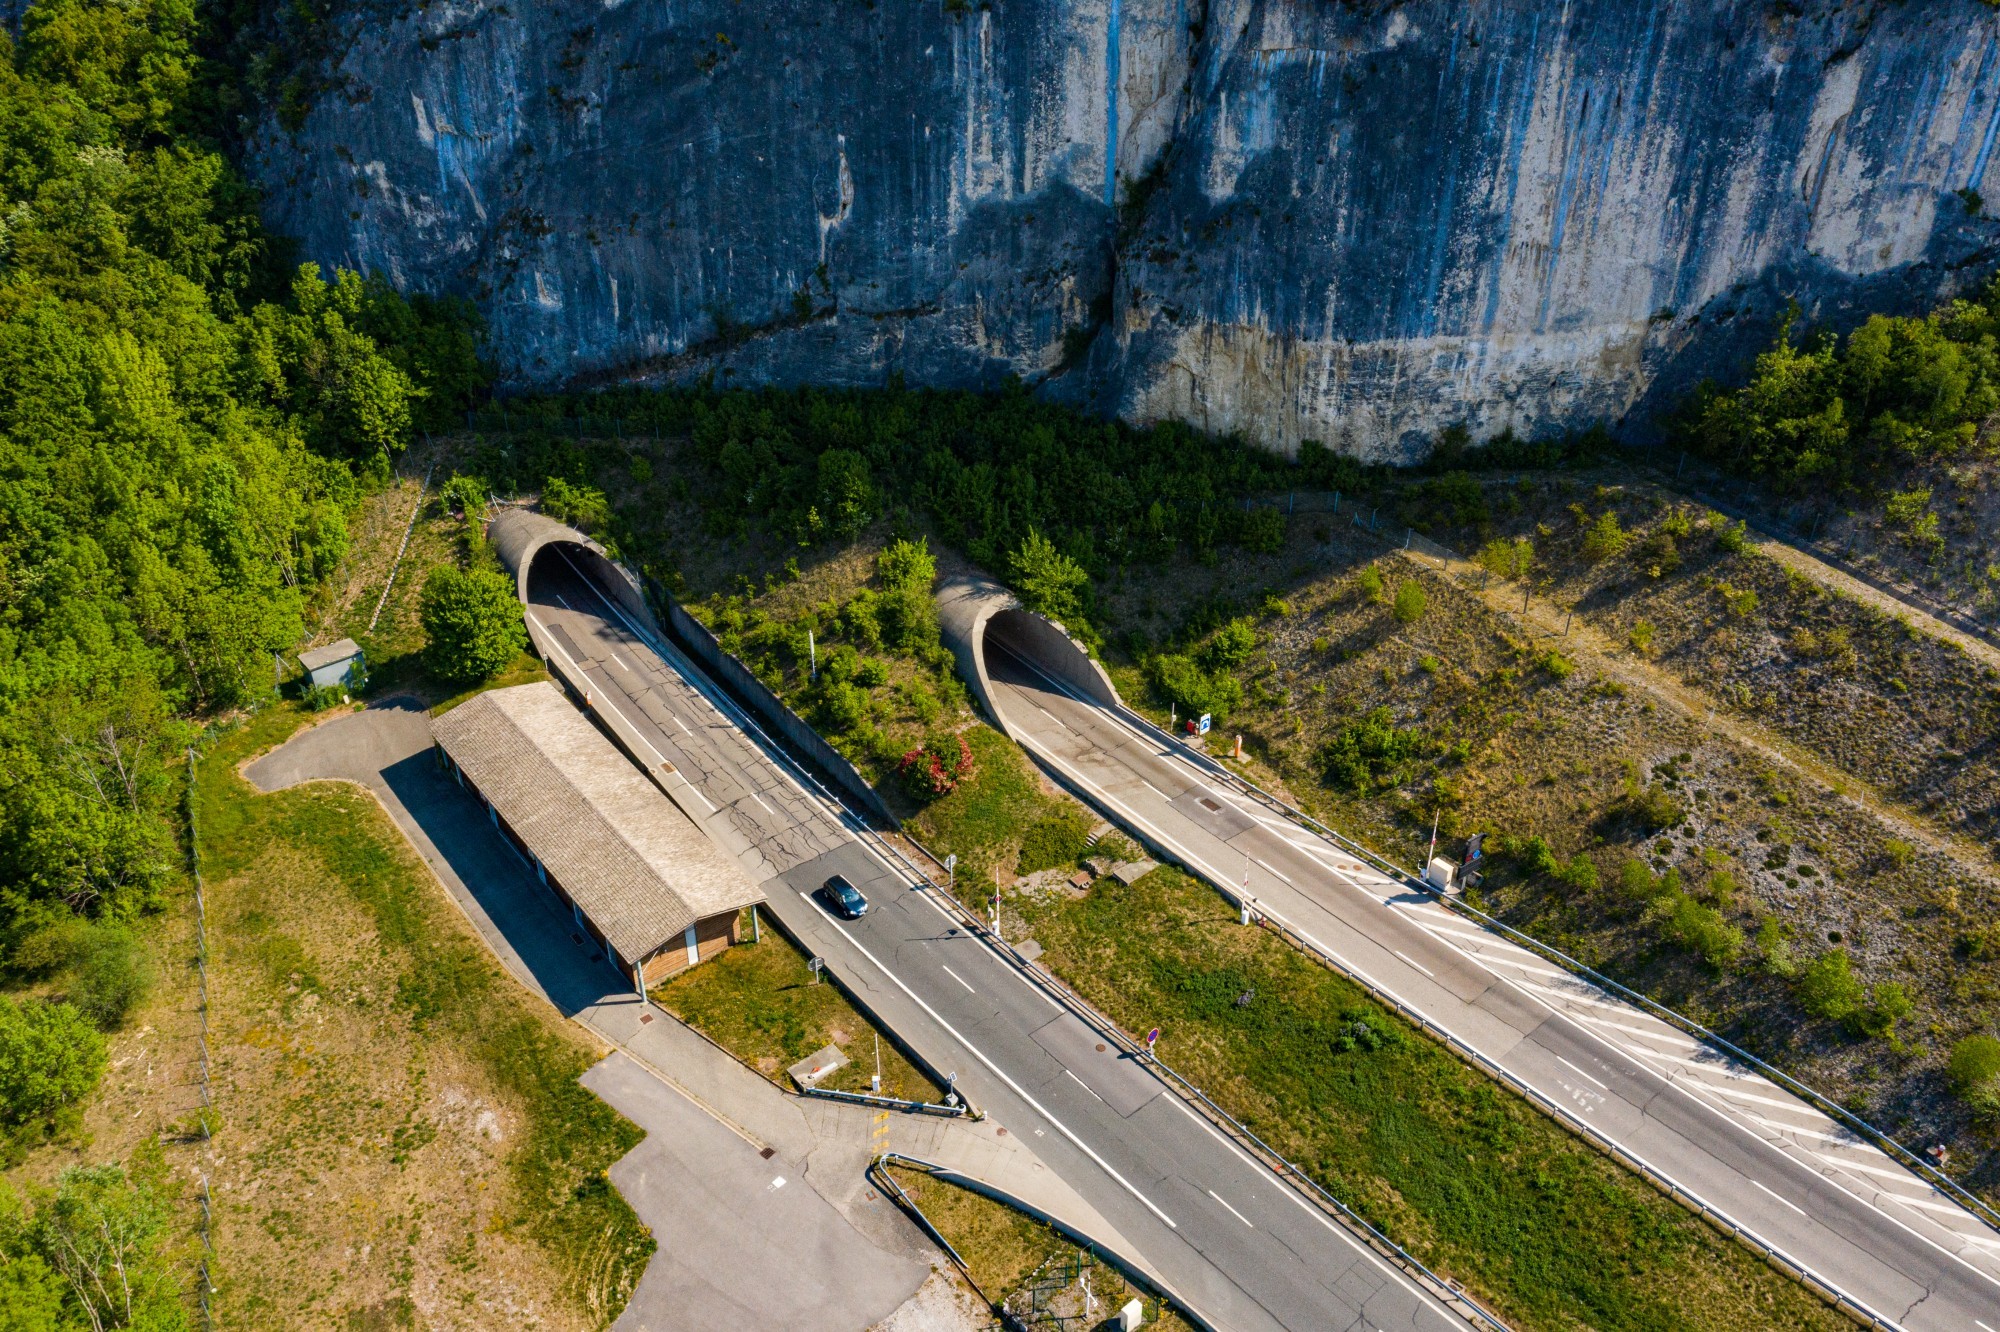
(199, 1137)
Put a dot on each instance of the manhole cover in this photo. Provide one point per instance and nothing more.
(768, 1153)
(1100, 1047)
(1210, 805)
(644, 1018)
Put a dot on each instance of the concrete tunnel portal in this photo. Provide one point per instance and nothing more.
(996, 640)
(527, 541)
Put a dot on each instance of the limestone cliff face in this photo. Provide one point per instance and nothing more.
(1298, 219)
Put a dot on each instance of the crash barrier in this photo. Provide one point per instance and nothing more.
(1778, 1257)
(878, 1173)
(741, 681)
(933, 1108)
(1440, 1287)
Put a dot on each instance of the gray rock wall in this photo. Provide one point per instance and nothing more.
(1360, 222)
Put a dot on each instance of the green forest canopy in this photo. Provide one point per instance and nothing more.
(184, 428)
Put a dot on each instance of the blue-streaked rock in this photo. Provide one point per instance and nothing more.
(1364, 221)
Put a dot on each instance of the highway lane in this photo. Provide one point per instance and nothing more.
(1237, 1243)
(1771, 1162)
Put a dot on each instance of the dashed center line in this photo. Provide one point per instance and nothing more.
(1579, 1072)
(1413, 962)
(960, 979)
(1231, 1210)
(1080, 1082)
(1786, 1201)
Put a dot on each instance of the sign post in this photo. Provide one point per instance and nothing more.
(1206, 721)
(1152, 1039)
(951, 871)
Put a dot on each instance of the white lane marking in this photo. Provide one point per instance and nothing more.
(678, 722)
(1786, 1201)
(565, 604)
(1901, 1176)
(1265, 1173)
(1231, 1210)
(1736, 1094)
(1849, 1140)
(1501, 959)
(658, 757)
(960, 979)
(1579, 1072)
(1674, 1080)
(1275, 870)
(999, 1072)
(1708, 1065)
(1983, 1323)
(1051, 716)
(620, 663)
(1413, 962)
(1155, 790)
(1086, 1086)
(760, 803)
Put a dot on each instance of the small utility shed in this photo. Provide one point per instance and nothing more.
(335, 664)
(634, 870)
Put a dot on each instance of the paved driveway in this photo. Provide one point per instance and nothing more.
(737, 1249)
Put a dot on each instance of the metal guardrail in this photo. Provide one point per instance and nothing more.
(934, 1108)
(1924, 1170)
(1839, 1299)
(878, 1171)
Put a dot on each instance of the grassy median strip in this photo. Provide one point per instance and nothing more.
(373, 1058)
(1472, 1179)
(759, 1002)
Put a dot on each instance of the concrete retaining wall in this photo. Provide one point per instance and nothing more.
(694, 637)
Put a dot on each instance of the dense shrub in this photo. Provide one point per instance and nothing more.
(1604, 539)
(936, 767)
(98, 966)
(582, 507)
(1179, 681)
(50, 1058)
(472, 624)
(1410, 602)
(1700, 929)
(1228, 647)
(1974, 1073)
(1050, 582)
(1829, 988)
(1368, 753)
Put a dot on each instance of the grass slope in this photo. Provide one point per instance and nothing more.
(403, 1137)
(1469, 1177)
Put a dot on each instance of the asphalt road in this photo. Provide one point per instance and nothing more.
(1237, 1244)
(1771, 1162)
